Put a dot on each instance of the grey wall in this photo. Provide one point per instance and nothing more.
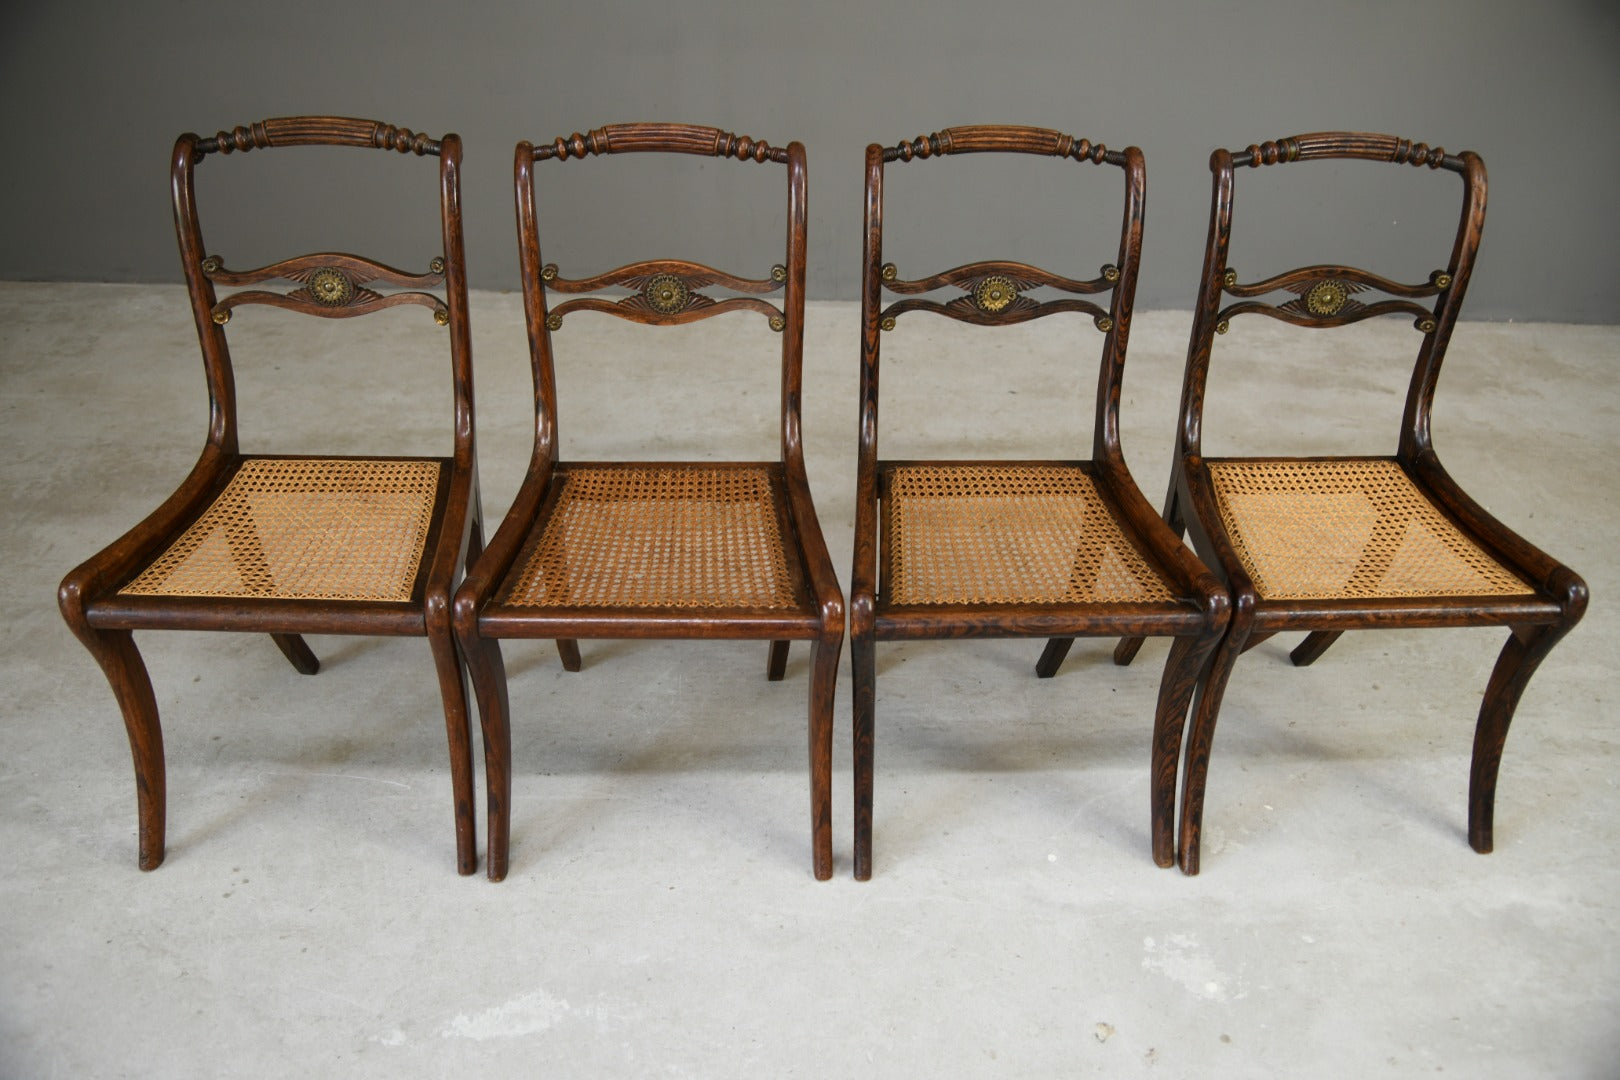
(95, 93)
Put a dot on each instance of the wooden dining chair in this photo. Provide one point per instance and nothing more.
(294, 545)
(1053, 548)
(1326, 545)
(619, 549)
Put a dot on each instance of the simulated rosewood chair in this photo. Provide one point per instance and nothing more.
(1327, 545)
(1061, 548)
(615, 549)
(289, 545)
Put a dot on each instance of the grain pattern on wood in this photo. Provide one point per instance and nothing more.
(1170, 593)
(99, 599)
(522, 587)
(1519, 587)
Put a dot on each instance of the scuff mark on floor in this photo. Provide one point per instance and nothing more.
(1179, 958)
(528, 1014)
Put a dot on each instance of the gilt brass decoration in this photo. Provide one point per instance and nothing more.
(667, 293)
(1326, 298)
(1110, 273)
(437, 265)
(779, 273)
(994, 293)
(331, 287)
(212, 265)
(890, 271)
(1442, 280)
(778, 323)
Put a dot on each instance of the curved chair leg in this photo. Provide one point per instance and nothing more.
(488, 671)
(1311, 649)
(293, 647)
(1523, 653)
(453, 689)
(862, 657)
(1181, 670)
(823, 684)
(1211, 687)
(121, 661)
(568, 650)
(1052, 657)
(776, 665)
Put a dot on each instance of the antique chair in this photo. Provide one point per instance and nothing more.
(293, 545)
(619, 549)
(1057, 548)
(1326, 545)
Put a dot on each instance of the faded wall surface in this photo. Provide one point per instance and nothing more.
(96, 92)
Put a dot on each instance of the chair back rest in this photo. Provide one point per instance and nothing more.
(992, 292)
(1331, 295)
(662, 292)
(332, 285)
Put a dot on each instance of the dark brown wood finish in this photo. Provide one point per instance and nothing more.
(102, 617)
(1328, 296)
(666, 292)
(1195, 611)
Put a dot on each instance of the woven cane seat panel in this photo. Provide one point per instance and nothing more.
(1007, 534)
(652, 537)
(304, 529)
(1348, 529)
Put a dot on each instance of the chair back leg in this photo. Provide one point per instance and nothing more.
(863, 672)
(457, 720)
(298, 653)
(1200, 738)
(823, 684)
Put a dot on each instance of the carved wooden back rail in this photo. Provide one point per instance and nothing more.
(319, 131)
(334, 285)
(1328, 295)
(993, 290)
(664, 292)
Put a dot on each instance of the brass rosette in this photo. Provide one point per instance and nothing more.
(330, 287)
(993, 294)
(666, 293)
(1326, 298)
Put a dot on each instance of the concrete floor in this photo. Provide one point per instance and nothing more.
(660, 918)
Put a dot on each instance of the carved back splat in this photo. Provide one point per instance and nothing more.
(332, 285)
(664, 292)
(1332, 295)
(992, 291)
